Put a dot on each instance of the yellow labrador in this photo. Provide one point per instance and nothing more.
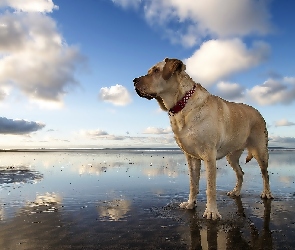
(206, 128)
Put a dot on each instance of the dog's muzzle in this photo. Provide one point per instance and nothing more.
(136, 81)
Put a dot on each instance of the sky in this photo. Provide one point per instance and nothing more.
(66, 67)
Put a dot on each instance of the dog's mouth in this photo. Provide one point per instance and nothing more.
(145, 95)
(139, 89)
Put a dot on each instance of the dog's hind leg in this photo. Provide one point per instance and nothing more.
(233, 160)
(258, 147)
(194, 166)
(262, 158)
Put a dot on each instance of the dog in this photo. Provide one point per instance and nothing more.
(206, 127)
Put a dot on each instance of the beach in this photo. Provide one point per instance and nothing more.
(129, 199)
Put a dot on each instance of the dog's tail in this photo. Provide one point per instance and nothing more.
(249, 156)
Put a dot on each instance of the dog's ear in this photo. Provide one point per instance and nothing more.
(171, 66)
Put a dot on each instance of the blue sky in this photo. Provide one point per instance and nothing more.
(66, 67)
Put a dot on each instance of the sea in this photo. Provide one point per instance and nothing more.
(128, 198)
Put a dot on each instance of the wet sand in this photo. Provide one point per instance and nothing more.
(128, 199)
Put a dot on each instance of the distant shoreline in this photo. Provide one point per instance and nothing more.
(113, 149)
(86, 149)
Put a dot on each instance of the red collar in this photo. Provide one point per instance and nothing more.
(182, 102)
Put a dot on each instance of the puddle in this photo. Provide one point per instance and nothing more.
(115, 210)
(129, 199)
(18, 175)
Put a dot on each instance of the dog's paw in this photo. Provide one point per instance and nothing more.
(212, 214)
(187, 205)
(266, 195)
(234, 193)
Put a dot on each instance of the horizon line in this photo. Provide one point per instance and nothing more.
(60, 149)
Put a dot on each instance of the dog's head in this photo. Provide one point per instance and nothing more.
(156, 81)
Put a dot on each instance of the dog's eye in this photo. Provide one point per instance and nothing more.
(156, 70)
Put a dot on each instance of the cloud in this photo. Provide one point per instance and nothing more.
(274, 75)
(30, 5)
(274, 91)
(3, 93)
(33, 54)
(217, 59)
(48, 200)
(282, 141)
(101, 135)
(117, 95)
(127, 3)
(159, 137)
(284, 122)
(18, 127)
(230, 91)
(221, 23)
(187, 22)
(153, 130)
(279, 90)
(290, 80)
(93, 133)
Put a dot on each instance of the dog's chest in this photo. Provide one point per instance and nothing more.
(185, 135)
(183, 125)
(177, 123)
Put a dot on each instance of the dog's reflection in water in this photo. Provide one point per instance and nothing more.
(232, 234)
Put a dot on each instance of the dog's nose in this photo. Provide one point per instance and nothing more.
(136, 80)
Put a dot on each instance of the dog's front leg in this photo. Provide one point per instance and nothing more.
(211, 211)
(194, 166)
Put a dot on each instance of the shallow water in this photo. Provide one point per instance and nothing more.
(128, 199)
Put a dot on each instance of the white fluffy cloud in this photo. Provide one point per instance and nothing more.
(217, 59)
(30, 5)
(157, 131)
(230, 91)
(271, 92)
(4, 91)
(117, 95)
(18, 127)
(274, 91)
(223, 18)
(284, 122)
(225, 23)
(2, 95)
(199, 19)
(33, 54)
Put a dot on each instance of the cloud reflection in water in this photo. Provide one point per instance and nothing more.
(18, 175)
(114, 210)
(79, 196)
